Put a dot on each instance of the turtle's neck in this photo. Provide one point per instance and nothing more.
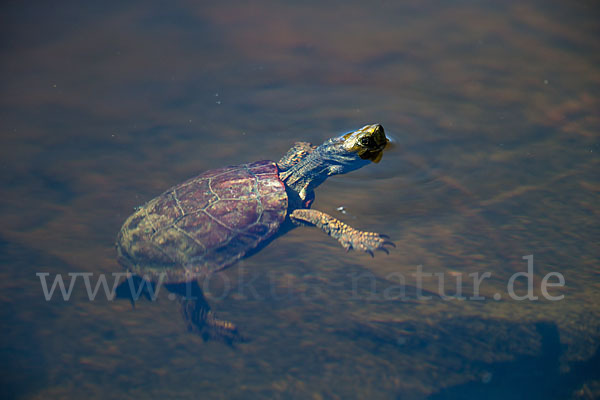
(326, 160)
(304, 176)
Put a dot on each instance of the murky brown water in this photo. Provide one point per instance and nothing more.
(493, 107)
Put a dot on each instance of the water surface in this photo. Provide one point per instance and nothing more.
(493, 107)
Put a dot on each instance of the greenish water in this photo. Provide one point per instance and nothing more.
(493, 108)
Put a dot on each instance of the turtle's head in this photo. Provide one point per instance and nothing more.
(338, 155)
(367, 143)
(353, 150)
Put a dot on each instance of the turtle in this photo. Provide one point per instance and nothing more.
(209, 222)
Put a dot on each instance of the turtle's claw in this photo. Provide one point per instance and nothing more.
(383, 243)
(218, 329)
(365, 241)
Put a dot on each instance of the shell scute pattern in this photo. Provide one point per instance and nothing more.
(233, 185)
(268, 189)
(204, 229)
(194, 195)
(205, 223)
(235, 213)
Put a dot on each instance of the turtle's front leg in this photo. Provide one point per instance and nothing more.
(348, 237)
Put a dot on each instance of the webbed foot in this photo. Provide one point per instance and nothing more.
(348, 237)
(199, 317)
(207, 325)
(365, 241)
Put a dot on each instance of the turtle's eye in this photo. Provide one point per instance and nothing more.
(366, 141)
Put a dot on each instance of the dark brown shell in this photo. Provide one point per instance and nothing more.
(204, 224)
